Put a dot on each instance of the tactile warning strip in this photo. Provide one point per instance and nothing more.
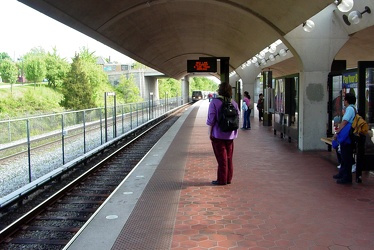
(150, 225)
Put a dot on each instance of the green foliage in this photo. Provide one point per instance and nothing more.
(138, 65)
(98, 78)
(4, 55)
(26, 100)
(101, 89)
(77, 89)
(87, 56)
(57, 69)
(128, 90)
(202, 83)
(170, 86)
(35, 68)
(8, 71)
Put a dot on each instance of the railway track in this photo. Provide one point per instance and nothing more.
(54, 220)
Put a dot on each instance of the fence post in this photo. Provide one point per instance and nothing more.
(84, 131)
(28, 147)
(63, 133)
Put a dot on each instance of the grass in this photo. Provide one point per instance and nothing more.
(25, 100)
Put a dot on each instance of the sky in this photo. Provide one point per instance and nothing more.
(23, 28)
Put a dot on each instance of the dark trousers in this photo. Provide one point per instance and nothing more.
(247, 119)
(260, 114)
(223, 150)
(345, 171)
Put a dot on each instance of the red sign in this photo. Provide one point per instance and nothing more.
(202, 65)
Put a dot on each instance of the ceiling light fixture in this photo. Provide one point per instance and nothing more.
(272, 48)
(355, 16)
(344, 5)
(283, 52)
(308, 26)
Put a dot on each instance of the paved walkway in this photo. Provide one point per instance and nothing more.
(280, 198)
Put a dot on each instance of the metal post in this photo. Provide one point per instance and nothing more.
(106, 118)
(63, 138)
(101, 126)
(130, 116)
(9, 130)
(151, 104)
(28, 147)
(137, 114)
(114, 116)
(84, 131)
(142, 112)
(123, 120)
(166, 101)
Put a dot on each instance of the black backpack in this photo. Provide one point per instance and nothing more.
(228, 116)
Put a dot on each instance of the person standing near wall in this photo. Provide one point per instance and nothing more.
(345, 172)
(247, 113)
(222, 142)
(260, 106)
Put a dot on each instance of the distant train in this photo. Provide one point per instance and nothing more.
(197, 95)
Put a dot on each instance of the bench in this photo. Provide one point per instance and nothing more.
(327, 140)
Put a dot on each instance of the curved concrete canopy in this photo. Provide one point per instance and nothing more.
(164, 34)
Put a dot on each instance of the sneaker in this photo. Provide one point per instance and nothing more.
(338, 166)
(353, 168)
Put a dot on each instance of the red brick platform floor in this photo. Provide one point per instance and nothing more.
(280, 198)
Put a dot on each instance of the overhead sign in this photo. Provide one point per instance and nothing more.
(206, 65)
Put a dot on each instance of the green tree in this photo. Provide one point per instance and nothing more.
(170, 86)
(129, 90)
(78, 92)
(35, 68)
(95, 72)
(8, 72)
(56, 67)
(202, 83)
(138, 65)
(36, 51)
(4, 55)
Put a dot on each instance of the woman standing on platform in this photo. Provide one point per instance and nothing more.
(222, 142)
(247, 113)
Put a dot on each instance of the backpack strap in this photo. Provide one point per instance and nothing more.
(223, 98)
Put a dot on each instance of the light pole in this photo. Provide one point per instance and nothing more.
(150, 105)
(21, 59)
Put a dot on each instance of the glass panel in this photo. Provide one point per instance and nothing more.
(279, 96)
(295, 103)
(369, 108)
(337, 103)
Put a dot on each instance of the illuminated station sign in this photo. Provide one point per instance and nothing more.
(206, 65)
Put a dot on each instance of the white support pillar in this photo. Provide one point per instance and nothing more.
(249, 80)
(185, 89)
(316, 51)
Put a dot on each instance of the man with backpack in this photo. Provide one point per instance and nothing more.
(342, 135)
(223, 122)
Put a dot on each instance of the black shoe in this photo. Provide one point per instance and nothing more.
(217, 183)
(228, 182)
(337, 176)
(341, 181)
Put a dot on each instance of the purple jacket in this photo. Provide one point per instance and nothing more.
(247, 101)
(212, 120)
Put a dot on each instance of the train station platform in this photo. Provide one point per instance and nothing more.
(279, 198)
